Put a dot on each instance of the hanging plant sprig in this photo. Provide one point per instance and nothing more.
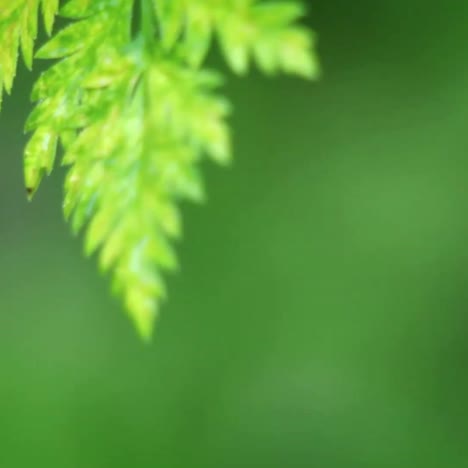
(136, 113)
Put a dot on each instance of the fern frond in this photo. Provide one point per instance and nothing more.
(248, 30)
(18, 29)
(136, 114)
(96, 38)
(132, 165)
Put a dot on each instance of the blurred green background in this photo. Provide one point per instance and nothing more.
(320, 317)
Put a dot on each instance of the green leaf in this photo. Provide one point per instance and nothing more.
(44, 143)
(18, 27)
(248, 31)
(136, 114)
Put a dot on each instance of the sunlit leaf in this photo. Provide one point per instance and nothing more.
(136, 113)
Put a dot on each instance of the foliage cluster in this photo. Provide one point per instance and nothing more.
(134, 109)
